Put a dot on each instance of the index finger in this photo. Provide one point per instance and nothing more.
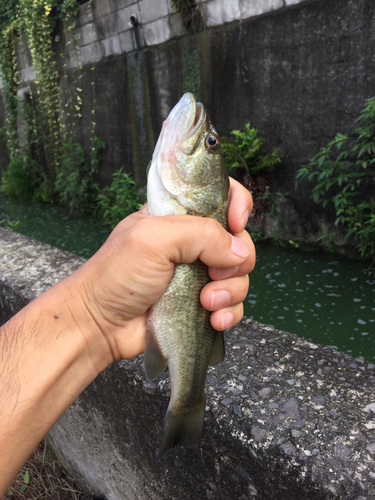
(240, 207)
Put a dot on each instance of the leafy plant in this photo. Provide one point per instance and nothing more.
(9, 73)
(37, 19)
(246, 160)
(75, 181)
(119, 200)
(342, 172)
(26, 481)
(22, 178)
(8, 224)
(244, 152)
(327, 240)
(273, 212)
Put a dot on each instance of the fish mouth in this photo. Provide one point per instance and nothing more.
(197, 116)
(180, 133)
(183, 127)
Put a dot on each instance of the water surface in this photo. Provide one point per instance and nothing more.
(325, 298)
(82, 235)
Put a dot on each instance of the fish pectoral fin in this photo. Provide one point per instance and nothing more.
(183, 427)
(155, 362)
(218, 350)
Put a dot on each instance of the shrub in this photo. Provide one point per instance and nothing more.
(23, 178)
(75, 183)
(244, 152)
(119, 200)
(342, 172)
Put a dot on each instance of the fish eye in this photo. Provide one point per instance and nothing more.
(212, 142)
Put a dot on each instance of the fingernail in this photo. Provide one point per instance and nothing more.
(226, 320)
(219, 298)
(223, 274)
(239, 247)
(245, 218)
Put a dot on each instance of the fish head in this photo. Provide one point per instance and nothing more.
(187, 173)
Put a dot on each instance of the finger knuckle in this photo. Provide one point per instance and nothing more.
(212, 229)
(140, 233)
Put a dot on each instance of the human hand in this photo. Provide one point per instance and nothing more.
(132, 269)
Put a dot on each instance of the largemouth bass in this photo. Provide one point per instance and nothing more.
(186, 176)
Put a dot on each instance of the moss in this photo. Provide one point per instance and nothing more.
(141, 124)
(191, 68)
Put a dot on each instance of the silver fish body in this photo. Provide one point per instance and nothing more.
(186, 176)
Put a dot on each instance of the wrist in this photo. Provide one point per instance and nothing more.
(79, 314)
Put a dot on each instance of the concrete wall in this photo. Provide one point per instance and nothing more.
(298, 71)
(105, 28)
(285, 419)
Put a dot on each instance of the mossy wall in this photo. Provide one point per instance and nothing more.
(299, 74)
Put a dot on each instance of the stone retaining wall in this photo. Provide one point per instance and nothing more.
(107, 28)
(298, 71)
(286, 419)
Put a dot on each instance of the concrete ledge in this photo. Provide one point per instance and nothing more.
(28, 268)
(285, 419)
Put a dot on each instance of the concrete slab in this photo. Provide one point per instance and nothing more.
(91, 53)
(219, 12)
(157, 31)
(102, 8)
(88, 34)
(106, 26)
(123, 17)
(176, 25)
(126, 41)
(151, 10)
(85, 14)
(110, 46)
(257, 7)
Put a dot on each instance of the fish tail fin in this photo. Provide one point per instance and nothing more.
(183, 427)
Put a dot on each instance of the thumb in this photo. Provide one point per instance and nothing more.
(186, 238)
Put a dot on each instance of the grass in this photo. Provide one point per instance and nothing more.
(42, 478)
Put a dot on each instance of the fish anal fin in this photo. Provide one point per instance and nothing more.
(183, 427)
(218, 350)
(154, 361)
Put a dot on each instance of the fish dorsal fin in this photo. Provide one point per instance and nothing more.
(218, 350)
(155, 362)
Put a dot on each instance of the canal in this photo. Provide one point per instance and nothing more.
(322, 297)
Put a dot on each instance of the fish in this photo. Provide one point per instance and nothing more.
(186, 176)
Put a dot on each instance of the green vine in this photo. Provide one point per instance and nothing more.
(37, 19)
(8, 68)
(38, 27)
(49, 166)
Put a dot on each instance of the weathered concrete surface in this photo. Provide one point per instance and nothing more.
(285, 419)
(27, 269)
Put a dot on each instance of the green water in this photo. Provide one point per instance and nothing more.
(325, 298)
(79, 234)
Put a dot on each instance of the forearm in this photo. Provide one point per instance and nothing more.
(47, 358)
